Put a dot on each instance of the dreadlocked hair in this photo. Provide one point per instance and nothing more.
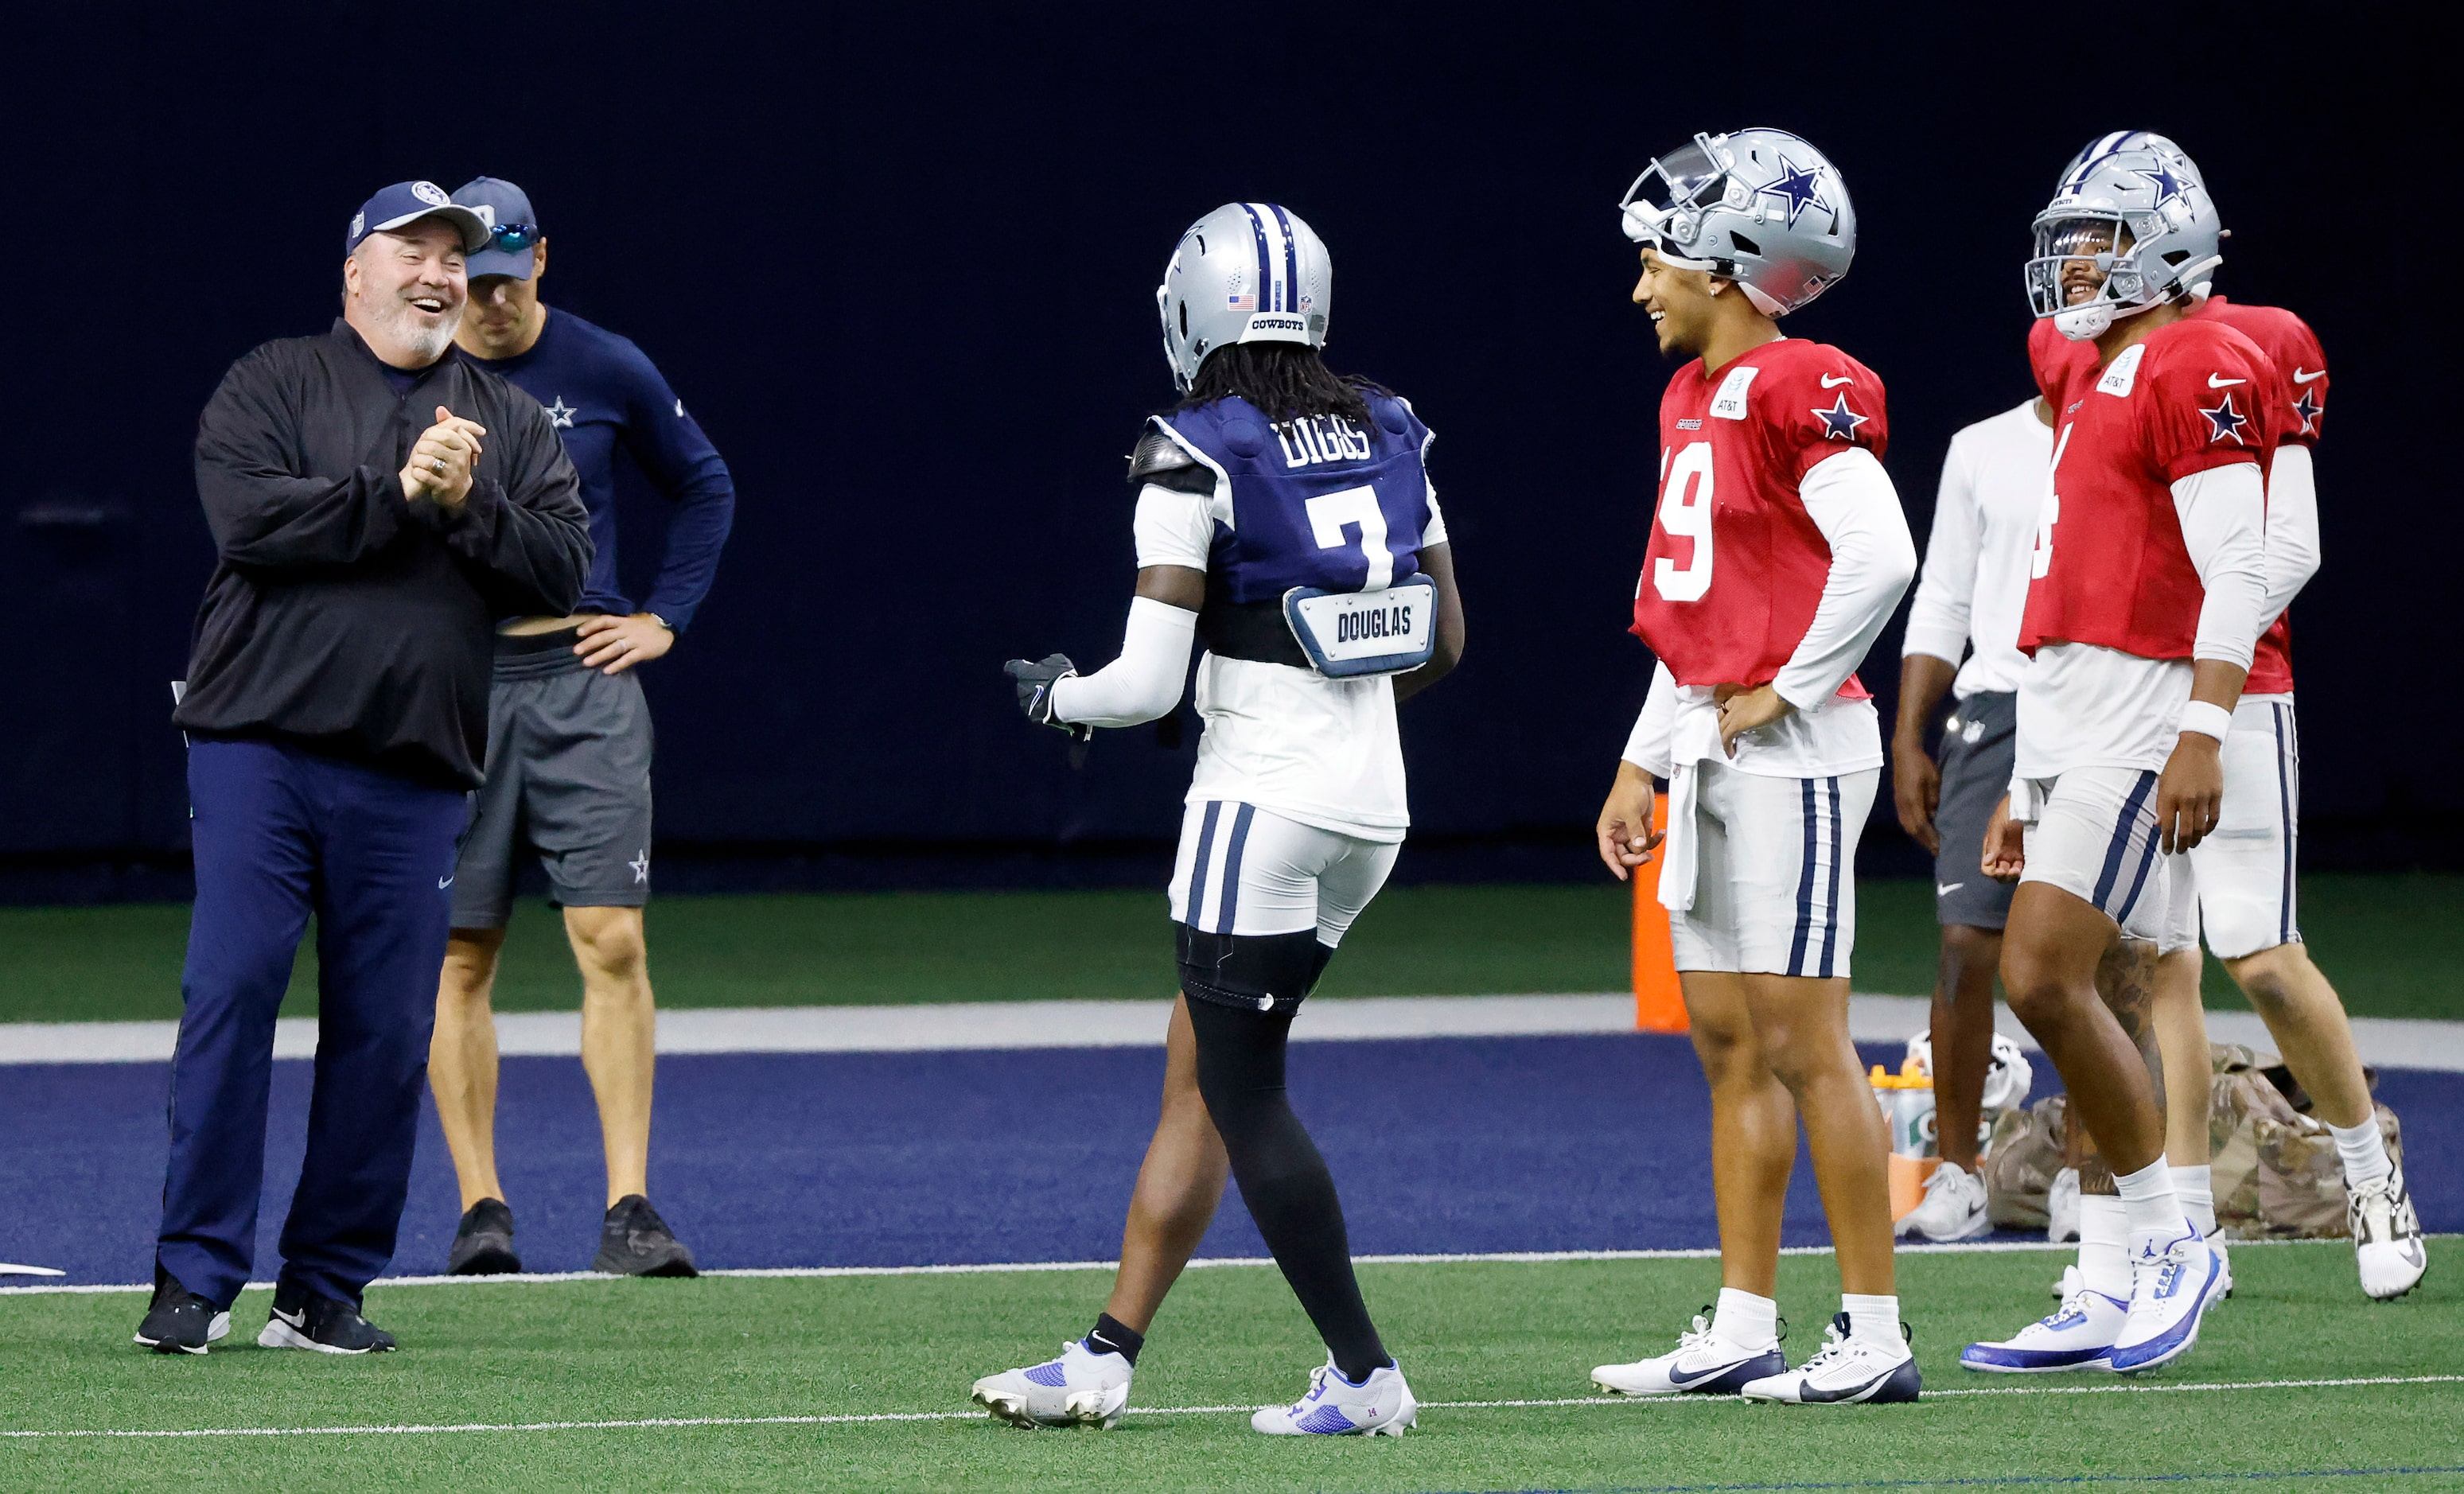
(1284, 380)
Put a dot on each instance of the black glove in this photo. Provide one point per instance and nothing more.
(1035, 678)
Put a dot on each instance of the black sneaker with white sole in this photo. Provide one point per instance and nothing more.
(483, 1245)
(178, 1321)
(635, 1242)
(304, 1320)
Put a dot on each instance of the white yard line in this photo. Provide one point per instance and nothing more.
(665, 1423)
(961, 1025)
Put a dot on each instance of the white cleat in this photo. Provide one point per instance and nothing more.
(1379, 1406)
(2062, 1207)
(2173, 1281)
(1704, 1364)
(1953, 1207)
(1845, 1371)
(2386, 1237)
(1079, 1389)
(2076, 1335)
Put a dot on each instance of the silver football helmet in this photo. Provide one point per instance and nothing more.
(1246, 272)
(2136, 205)
(1761, 208)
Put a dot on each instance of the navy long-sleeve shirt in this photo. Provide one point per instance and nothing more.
(601, 392)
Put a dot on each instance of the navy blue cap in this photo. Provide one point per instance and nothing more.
(406, 202)
(504, 207)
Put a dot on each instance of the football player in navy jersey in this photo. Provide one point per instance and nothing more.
(1286, 520)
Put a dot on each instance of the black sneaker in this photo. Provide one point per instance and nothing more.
(179, 1321)
(635, 1242)
(484, 1244)
(301, 1320)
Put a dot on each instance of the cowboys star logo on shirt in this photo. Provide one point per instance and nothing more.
(2225, 421)
(560, 414)
(1839, 421)
(2308, 408)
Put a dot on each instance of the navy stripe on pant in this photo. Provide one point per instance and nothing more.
(280, 832)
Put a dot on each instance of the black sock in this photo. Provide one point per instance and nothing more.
(1113, 1336)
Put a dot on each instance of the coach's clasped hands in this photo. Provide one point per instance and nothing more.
(441, 460)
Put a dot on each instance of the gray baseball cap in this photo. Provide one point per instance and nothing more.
(506, 209)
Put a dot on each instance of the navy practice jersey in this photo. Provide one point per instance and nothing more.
(601, 392)
(1319, 502)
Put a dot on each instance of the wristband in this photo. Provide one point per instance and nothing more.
(2208, 721)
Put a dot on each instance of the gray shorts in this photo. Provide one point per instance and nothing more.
(568, 777)
(1977, 744)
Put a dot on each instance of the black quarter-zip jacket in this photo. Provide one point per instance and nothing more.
(342, 616)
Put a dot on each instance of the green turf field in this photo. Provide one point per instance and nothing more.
(506, 1354)
(2394, 944)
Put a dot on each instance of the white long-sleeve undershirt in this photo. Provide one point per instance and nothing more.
(1144, 683)
(2224, 528)
(2293, 551)
(1873, 558)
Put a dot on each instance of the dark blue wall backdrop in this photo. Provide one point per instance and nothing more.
(900, 261)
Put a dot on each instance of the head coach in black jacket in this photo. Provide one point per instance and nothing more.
(377, 502)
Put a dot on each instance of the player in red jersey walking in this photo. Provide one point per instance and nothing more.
(1777, 553)
(2148, 586)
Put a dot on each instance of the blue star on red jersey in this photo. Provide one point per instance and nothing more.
(2226, 421)
(1800, 185)
(1840, 421)
(2308, 407)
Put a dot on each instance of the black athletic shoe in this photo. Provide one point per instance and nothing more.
(179, 1321)
(484, 1244)
(635, 1242)
(303, 1321)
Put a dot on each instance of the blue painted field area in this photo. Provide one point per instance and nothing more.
(1490, 1144)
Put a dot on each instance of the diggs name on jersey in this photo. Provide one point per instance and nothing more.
(1321, 438)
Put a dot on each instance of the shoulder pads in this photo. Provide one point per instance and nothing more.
(1157, 457)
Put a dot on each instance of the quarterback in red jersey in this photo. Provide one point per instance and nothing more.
(2238, 885)
(1777, 553)
(2145, 599)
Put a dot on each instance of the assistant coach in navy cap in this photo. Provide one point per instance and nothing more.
(377, 502)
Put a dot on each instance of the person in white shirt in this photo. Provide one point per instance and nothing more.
(1968, 596)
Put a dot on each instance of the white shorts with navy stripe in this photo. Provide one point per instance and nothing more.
(2238, 883)
(2095, 838)
(1776, 872)
(1247, 871)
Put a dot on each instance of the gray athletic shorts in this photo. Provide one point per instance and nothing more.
(568, 777)
(1977, 743)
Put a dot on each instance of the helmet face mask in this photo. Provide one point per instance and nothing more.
(1759, 207)
(1246, 272)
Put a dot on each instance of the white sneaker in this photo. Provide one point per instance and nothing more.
(1379, 1406)
(2062, 1207)
(1845, 1371)
(1082, 1388)
(2172, 1284)
(1704, 1364)
(2386, 1237)
(1953, 1207)
(2076, 1335)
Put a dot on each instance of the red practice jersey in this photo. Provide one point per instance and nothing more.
(2109, 566)
(1736, 566)
(2296, 397)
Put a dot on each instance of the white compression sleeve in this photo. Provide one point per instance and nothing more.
(1144, 682)
(2292, 528)
(1850, 498)
(2224, 527)
(1650, 745)
(1939, 617)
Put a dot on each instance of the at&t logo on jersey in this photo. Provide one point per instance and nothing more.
(1321, 438)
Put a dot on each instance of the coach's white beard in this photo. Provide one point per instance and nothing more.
(425, 341)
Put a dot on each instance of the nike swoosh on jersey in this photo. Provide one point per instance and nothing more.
(442, 883)
(2298, 377)
(1945, 888)
(2214, 383)
(1829, 383)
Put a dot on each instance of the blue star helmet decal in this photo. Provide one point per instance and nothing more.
(1840, 421)
(2308, 408)
(1802, 187)
(2225, 421)
(2168, 187)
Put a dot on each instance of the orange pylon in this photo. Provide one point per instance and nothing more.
(1658, 1005)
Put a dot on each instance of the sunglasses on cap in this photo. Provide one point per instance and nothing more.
(512, 239)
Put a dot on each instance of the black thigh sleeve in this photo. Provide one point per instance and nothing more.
(1258, 972)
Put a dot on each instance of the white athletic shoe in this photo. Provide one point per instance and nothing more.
(1953, 1207)
(1081, 1388)
(1845, 1371)
(2386, 1237)
(1704, 1364)
(2172, 1284)
(2062, 1207)
(2076, 1335)
(1379, 1406)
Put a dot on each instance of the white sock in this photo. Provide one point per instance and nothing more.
(2364, 1150)
(2148, 1200)
(1746, 1320)
(2193, 1186)
(1872, 1320)
(2105, 1246)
